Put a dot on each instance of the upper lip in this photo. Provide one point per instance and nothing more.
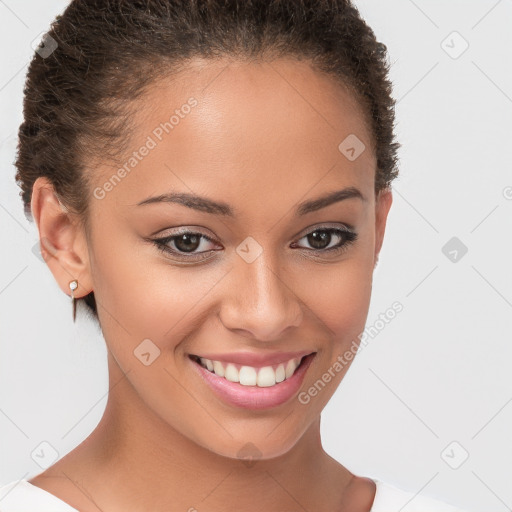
(254, 359)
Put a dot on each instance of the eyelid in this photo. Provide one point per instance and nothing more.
(326, 225)
(197, 257)
(198, 230)
(185, 229)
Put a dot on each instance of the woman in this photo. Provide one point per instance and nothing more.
(212, 181)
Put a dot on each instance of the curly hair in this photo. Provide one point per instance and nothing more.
(99, 55)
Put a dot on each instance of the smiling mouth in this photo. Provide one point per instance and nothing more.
(265, 376)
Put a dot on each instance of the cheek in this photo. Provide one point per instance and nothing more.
(343, 305)
(340, 294)
(142, 296)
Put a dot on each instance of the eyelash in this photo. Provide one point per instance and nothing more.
(349, 238)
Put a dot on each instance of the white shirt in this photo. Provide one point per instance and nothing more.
(22, 496)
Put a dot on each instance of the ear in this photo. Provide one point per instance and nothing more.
(62, 240)
(382, 206)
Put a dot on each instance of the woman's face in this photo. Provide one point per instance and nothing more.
(259, 139)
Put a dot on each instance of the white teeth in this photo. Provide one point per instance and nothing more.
(291, 367)
(248, 376)
(207, 363)
(266, 376)
(280, 373)
(218, 368)
(231, 373)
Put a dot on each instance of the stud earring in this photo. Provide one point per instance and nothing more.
(73, 285)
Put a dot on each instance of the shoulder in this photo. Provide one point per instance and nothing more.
(21, 495)
(359, 494)
(388, 497)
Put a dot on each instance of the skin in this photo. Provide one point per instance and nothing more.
(262, 138)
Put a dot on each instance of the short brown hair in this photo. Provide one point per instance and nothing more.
(105, 52)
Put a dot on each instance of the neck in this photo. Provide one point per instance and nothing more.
(149, 465)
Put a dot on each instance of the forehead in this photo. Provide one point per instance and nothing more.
(254, 130)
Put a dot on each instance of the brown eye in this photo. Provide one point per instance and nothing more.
(321, 238)
(188, 242)
(185, 245)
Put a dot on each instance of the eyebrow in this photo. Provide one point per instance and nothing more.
(207, 205)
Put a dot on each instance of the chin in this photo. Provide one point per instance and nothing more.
(254, 445)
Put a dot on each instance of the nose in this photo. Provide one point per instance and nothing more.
(259, 302)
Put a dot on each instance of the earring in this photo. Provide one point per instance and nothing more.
(73, 285)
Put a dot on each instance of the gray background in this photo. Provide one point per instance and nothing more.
(436, 376)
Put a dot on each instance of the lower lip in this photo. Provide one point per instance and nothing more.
(255, 397)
